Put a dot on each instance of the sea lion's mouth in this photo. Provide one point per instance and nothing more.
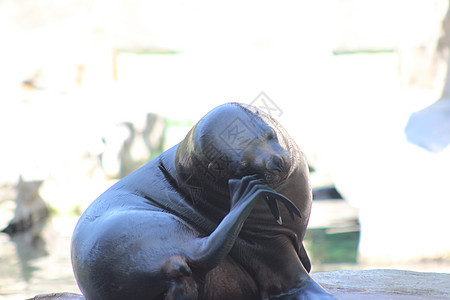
(269, 178)
(274, 180)
(275, 172)
(271, 168)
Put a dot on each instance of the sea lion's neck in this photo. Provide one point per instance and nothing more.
(198, 172)
(209, 198)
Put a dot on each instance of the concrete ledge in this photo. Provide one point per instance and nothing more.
(385, 284)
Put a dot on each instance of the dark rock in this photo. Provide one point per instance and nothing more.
(326, 193)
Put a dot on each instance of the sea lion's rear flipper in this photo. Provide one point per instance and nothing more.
(273, 205)
(244, 193)
(308, 290)
(290, 206)
(304, 258)
(271, 200)
(270, 196)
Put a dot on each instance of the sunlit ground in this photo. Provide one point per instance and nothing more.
(47, 127)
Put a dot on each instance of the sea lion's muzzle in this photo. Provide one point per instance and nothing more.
(270, 167)
(275, 171)
(276, 163)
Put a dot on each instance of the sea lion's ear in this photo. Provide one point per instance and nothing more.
(212, 165)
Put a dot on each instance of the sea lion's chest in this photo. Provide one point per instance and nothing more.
(229, 280)
(254, 270)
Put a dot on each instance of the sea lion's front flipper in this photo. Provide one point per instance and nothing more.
(211, 250)
(304, 258)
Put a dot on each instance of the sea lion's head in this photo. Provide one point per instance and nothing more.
(232, 141)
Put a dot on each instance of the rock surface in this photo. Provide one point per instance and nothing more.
(30, 207)
(361, 284)
(385, 284)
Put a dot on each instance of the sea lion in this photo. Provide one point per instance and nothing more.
(202, 220)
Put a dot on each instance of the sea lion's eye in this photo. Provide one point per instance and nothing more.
(271, 134)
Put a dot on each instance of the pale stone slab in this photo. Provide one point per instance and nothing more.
(360, 284)
(385, 284)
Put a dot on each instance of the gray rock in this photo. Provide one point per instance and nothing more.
(360, 285)
(129, 145)
(385, 284)
(30, 207)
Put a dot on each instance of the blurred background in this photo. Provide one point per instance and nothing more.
(91, 89)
